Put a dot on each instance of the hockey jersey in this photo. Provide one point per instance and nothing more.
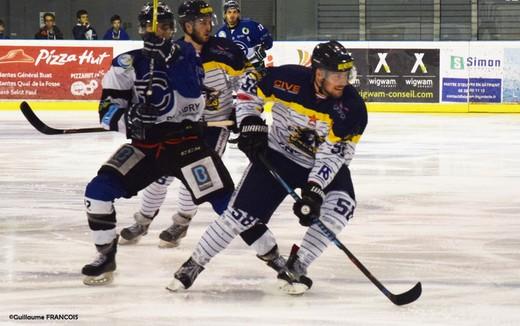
(319, 134)
(176, 89)
(223, 64)
(247, 34)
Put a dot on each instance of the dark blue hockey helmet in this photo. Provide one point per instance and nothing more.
(332, 56)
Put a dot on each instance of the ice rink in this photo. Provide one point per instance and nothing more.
(438, 202)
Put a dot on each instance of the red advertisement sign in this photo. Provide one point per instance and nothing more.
(53, 72)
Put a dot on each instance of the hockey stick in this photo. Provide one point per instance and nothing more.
(47, 130)
(397, 299)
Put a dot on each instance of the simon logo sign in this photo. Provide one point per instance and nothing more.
(459, 63)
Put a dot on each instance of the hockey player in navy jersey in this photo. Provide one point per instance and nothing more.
(159, 111)
(223, 63)
(252, 37)
(318, 118)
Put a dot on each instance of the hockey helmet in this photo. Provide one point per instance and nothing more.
(331, 56)
(194, 9)
(164, 14)
(231, 4)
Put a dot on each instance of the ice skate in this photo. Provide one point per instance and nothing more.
(185, 276)
(274, 260)
(292, 279)
(100, 271)
(171, 237)
(133, 233)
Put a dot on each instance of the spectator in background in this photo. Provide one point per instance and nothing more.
(252, 37)
(116, 32)
(83, 30)
(49, 30)
(3, 34)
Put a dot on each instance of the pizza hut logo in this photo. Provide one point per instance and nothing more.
(16, 56)
(59, 59)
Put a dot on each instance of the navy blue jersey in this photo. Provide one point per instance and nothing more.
(319, 134)
(247, 34)
(176, 87)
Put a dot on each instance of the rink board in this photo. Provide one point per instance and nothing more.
(458, 77)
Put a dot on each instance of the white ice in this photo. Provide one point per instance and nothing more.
(438, 202)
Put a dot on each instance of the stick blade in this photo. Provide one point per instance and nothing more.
(36, 122)
(408, 296)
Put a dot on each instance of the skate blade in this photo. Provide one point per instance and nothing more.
(103, 279)
(166, 244)
(124, 242)
(175, 286)
(292, 288)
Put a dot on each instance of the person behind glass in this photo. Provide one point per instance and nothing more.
(49, 31)
(252, 37)
(3, 34)
(116, 32)
(83, 30)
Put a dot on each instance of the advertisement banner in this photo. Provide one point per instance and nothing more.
(53, 72)
(383, 75)
(511, 75)
(399, 75)
(472, 75)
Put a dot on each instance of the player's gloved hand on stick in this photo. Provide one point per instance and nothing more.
(141, 117)
(308, 209)
(161, 49)
(253, 137)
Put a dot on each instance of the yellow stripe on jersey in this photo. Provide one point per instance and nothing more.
(310, 113)
(212, 65)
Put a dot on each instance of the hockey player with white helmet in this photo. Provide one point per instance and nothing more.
(318, 118)
(145, 95)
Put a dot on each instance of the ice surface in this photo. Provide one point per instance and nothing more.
(438, 202)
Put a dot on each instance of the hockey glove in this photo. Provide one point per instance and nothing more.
(308, 209)
(141, 117)
(253, 137)
(110, 114)
(257, 58)
(162, 50)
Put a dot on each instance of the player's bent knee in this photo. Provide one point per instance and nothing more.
(337, 210)
(238, 220)
(105, 187)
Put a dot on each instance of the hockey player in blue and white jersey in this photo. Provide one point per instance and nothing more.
(252, 37)
(159, 111)
(223, 63)
(318, 118)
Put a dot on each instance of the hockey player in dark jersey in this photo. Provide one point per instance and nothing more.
(318, 118)
(159, 111)
(223, 63)
(252, 37)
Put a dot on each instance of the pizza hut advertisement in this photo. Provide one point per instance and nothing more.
(53, 73)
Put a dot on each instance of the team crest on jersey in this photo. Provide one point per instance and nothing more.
(162, 96)
(245, 30)
(125, 61)
(306, 139)
(222, 34)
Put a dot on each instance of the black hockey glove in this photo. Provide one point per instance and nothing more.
(308, 209)
(253, 137)
(162, 50)
(141, 117)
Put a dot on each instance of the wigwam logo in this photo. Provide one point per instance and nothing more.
(382, 63)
